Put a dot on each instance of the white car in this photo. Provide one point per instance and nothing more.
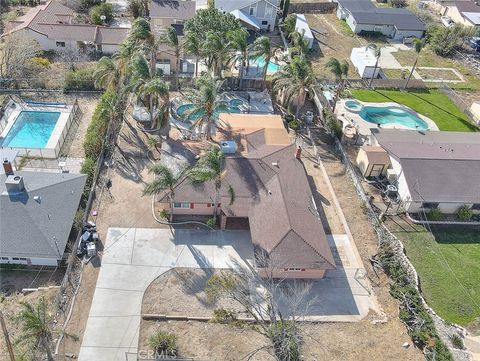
(447, 21)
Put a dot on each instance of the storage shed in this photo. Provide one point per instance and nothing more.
(302, 27)
(373, 161)
(363, 59)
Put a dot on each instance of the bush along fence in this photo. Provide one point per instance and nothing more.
(100, 133)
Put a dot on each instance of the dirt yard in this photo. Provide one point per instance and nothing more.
(334, 41)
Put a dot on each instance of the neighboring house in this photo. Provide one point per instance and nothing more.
(253, 14)
(36, 215)
(302, 27)
(165, 14)
(272, 196)
(429, 169)
(395, 23)
(465, 12)
(51, 25)
(364, 60)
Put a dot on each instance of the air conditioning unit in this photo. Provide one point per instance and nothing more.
(392, 176)
(228, 147)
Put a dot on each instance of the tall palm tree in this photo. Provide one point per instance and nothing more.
(377, 52)
(238, 42)
(107, 74)
(300, 44)
(141, 38)
(192, 46)
(216, 48)
(165, 179)
(35, 321)
(205, 102)
(171, 39)
(294, 81)
(339, 69)
(151, 90)
(209, 168)
(418, 46)
(263, 47)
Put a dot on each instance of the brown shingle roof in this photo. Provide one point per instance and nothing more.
(54, 21)
(272, 190)
(181, 10)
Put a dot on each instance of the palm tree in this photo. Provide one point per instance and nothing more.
(36, 321)
(192, 46)
(107, 74)
(300, 44)
(294, 81)
(217, 49)
(141, 38)
(339, 69)
(238, 41)
(209, 168)
(262, 47)
(151, 90)
(205, 102)
(171, 39)
(418, 46)
(164, 180)
(377, 51)
(153, 143)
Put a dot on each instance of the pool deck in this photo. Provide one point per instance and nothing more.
(55, 136)
(349, 118)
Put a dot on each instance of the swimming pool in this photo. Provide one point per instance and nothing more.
(260, 62)
(231, 107)
(392, 115)
(32, 129)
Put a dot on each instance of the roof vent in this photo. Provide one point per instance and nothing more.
(14, 184)
(276, 164)
(38, 199)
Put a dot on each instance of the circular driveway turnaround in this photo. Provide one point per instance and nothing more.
(135, 257)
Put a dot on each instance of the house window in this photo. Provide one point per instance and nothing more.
(295, 269)
(15, 259)
(264, 22)
(269, 11)
(476, 207)
(60, 44)
(181, 205)
(429, 205)
(252, 10)
(4, 258)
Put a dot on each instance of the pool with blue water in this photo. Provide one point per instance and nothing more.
(32, 129)
(392, 115)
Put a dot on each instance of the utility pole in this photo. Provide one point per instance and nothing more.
(7, 338)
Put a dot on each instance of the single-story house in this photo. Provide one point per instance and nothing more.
(302, 27)
(395, 23)
(253, 14)
(465, 12)
(364, 60)
(36, 215)
(52, 26)
(272, 197)
(431, 169)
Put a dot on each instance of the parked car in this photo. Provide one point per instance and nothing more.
(447, 21)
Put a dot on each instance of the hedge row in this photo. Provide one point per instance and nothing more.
(413, 313)
(94, 137)
(80, 79)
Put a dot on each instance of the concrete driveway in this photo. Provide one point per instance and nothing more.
(132, 259)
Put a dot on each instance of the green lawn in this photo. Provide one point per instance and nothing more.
(448, 263)
(432, 103)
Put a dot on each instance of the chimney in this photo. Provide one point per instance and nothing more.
(14, 184)
(298, 152)
(7, 167)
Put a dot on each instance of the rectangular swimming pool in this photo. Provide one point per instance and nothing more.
(32, 129)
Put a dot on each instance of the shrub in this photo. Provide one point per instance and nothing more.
(78, 220)
(163, 343)
(332, 123)
(222, 315)
(464, 213)
(88, 168)
(211, 222)
(435, 214)
(164, 214)
(43, 62)
(286, 340)
(456, 341)
(81, 79)
(104, 9)
(294, 125)
(97, 128)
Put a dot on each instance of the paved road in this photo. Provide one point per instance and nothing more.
(132, 259)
